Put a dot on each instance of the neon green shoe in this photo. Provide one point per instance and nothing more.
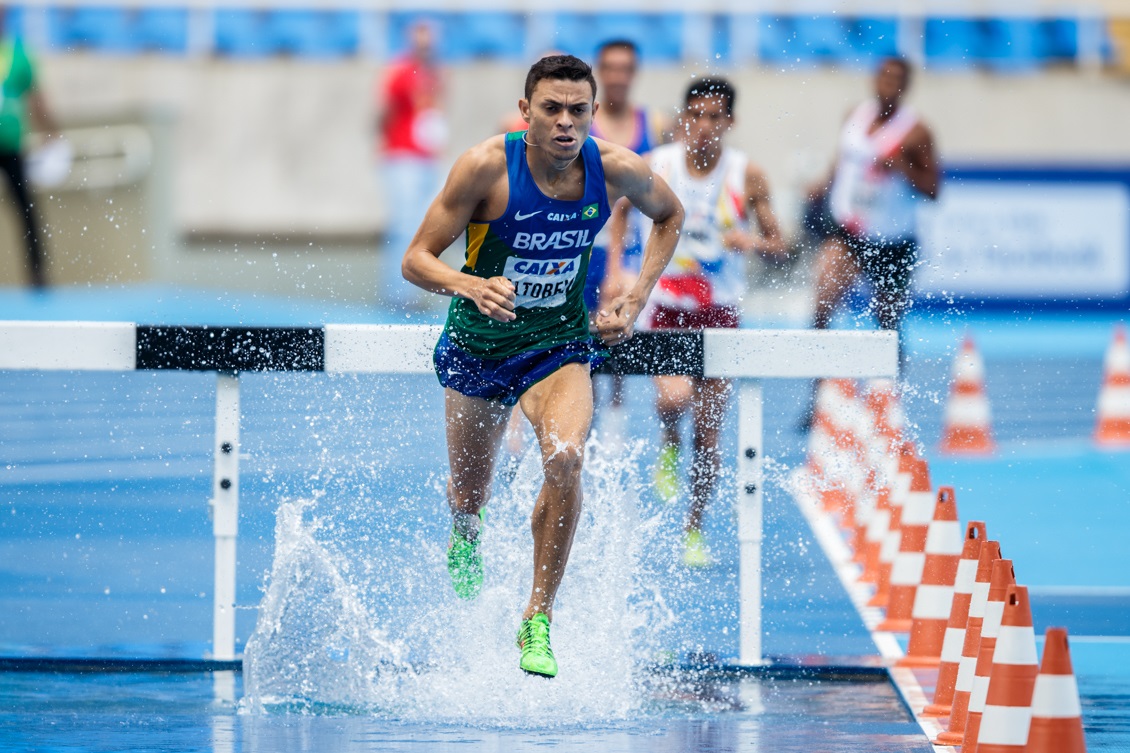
(465, 563)
(667, 473)
(533, 639)
(695, 551)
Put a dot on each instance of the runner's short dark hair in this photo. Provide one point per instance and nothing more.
(710, 88)
(619, 43)
(559, 68)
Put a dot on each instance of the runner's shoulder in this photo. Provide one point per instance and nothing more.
(620, 162)
(483, 163)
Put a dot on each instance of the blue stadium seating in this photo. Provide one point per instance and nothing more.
(313, 33)
(242, 33)
(954, 43)
(658, 35)
(489, 34)
(801, 41)
(104, 29)
(1011, 44)
(1058, 39)
(162, 29)
(783, 40)
(869, 40)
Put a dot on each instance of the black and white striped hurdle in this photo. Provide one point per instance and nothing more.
(747, 356)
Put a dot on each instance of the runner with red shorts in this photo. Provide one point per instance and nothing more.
(705, 282)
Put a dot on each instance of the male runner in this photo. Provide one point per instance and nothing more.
(640, 129)
(517, 330)
(885, 165)
(705, 283)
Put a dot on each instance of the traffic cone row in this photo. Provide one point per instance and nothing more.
(954, 594)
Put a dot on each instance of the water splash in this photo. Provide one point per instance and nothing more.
(382, 633)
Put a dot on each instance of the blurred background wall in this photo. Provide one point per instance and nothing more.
(234, 145)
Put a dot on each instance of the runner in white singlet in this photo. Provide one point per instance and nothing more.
(724, 196)
(885, 166)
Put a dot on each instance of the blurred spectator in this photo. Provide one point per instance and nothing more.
(21, 98)
(413, 132)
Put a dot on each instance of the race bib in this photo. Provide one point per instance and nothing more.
(541, 283)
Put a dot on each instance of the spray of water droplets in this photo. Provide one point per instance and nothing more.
(379, 631)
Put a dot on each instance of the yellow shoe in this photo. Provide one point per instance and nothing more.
(667, 473)
(695, 551)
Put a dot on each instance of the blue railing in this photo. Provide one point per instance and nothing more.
(1007, 44)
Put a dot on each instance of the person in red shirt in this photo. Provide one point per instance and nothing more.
(413, 132)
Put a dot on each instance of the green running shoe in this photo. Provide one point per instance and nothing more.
(533, 639)
(667, 473)
(465, 563)
(695, 551)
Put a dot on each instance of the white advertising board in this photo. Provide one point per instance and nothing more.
(1026, 240)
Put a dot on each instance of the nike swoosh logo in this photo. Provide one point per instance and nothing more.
(518, 216)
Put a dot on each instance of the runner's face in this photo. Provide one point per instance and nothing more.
(560, 117)
(704, 121)
(615, 72)
(890, 84)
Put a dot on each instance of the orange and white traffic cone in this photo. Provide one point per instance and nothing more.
(1008, 705)
(967, 424)
(1113, 427)
(906, 570)
(967, 669)
(1003, 577)
(958, 621)
(889, 546)
(933, 599)
(1057, 717)
(873, 536)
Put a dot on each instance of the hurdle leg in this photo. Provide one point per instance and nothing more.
(225, 514)
(749, 491)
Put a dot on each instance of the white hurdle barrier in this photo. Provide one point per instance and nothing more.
(746, 356)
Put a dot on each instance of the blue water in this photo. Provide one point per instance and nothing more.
(106, 548)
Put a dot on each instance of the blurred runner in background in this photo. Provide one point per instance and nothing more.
(723, 194)
(885, 165)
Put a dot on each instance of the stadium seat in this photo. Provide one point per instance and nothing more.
(954, 43)
(1058, 40)
(1010, 44)
(242, 32)
(487, 34)
(799, 41)
(869, 39)
(162, 29)
(658, 35)
(101, 29)
(314, 33)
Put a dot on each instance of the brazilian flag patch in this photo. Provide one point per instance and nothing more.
(590, 212)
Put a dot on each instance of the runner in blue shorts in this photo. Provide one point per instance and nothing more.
(530, 204)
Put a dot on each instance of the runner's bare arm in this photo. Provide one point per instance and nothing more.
(614, 259)
(629, 176)
(768, 240)
(464, 195)
(918, 161)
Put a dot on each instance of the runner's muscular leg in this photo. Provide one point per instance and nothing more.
(560, 408)
(836, 270)
(474, 432)
(710, 401)
(673, 395)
